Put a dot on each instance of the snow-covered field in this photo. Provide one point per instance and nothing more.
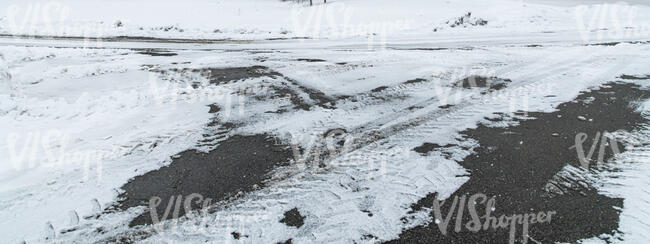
(95, 93)
(269, 19)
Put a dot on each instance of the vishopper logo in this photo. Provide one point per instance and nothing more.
(333, 21)
(470, 85)
(605, 142)
(49, 149)
(50, 14)
(320, 147)
(454, 86)
(198, 220)
(336, 148)
(616, 20)
(478, 222)
(49, 19)
(169, 92)
(175, 203)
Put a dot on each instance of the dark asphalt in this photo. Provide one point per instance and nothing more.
(237, 164)
(514, 165)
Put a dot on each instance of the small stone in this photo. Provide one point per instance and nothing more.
(582, 118)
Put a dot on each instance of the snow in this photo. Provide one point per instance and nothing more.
(263, 19)
(90, 119)
(630, 182)
(76, 136)
(136, 118)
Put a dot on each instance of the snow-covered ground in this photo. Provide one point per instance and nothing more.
(339, 19)
(77, 123)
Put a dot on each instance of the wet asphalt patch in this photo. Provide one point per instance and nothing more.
(616, 43)
(157, 53)
(236, 165)
(318, 97)
(293, 218)
(384, 93)
(492, 83)
(229, 74)
(310, 60)
(290, 88)
(434, 49)
(633, 77)
(379, 89)
(290, 241)
(279, 91)
(604, 44)
(514, 165)
(414, 81)
(236, 235)
(427, 147)
(224, 75)
(214, 109)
